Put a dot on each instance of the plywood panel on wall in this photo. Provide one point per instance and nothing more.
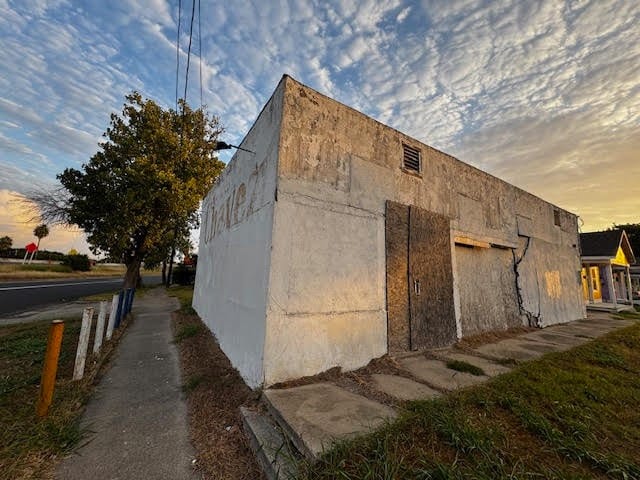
(396, 244)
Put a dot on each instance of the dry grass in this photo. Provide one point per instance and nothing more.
(17, 271)
(215, 391)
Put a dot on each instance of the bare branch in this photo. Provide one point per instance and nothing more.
(48, 206)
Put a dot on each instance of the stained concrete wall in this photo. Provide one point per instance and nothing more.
(336, 169)
(235, 243)
(291, 274)
(490, 303)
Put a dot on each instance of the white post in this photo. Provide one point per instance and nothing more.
(629, 286)
(97, 342)
(112, 316)
(612, 290)
(24, 260)
(83, 343)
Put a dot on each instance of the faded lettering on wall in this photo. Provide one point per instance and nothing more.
(245, 199)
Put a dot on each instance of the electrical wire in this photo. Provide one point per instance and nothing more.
(200, 52)
(186, 81)
(178, 50)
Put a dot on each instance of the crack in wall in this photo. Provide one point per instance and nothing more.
(534, 319)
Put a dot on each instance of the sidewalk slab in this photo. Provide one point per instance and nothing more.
(516, 349)
(402, 388)
(437, 374)
(137, 417)
(564, 341)
(315, 416)
(490, 368)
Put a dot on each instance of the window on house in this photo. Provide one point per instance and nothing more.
(411, 158)
(556, 217)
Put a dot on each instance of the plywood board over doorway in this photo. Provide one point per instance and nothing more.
(419, 279)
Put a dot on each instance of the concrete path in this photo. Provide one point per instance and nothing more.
(137, 416)
(314, 416)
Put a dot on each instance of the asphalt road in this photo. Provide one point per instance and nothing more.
(19, 296)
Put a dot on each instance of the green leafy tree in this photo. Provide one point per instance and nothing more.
(144, 184)
(5, 243)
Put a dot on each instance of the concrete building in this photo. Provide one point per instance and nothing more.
(342, 239)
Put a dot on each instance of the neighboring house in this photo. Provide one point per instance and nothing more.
(606, 269)
(341, 239)
(635, 282)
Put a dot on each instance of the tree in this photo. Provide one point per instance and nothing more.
(144, 184)
(73, 251)
(5, 243)
(40, 232)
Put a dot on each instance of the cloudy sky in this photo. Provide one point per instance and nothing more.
(544, 94)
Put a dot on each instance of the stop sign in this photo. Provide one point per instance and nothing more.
(32, 247)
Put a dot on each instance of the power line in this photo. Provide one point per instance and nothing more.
(200, 52)
(178, 50)
(186, 81)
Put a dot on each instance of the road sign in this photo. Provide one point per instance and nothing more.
(32, 247)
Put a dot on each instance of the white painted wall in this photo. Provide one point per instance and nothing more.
(296, 286)
(235, 244)
(326, 303)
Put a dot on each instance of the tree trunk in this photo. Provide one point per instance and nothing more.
(132, 275)
(164, 272)
(173, 254)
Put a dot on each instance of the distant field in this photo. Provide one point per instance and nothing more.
(17, 271)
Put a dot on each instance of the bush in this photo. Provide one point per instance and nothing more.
(183, 275)
(77, 262)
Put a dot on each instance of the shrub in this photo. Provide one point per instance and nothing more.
(183, 275)
(77, 262)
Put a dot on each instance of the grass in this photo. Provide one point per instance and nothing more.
(187, 331)
(26, 442)
(184, 294)
(569, 415)
(17, 271)
(29, 445)
(466, 367)
(108, 296)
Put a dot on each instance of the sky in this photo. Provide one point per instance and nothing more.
(543, 94)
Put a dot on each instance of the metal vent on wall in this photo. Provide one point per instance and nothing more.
(411, 160)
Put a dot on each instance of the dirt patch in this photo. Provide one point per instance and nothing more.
(475, 341)
(358, 381)
(215, 391)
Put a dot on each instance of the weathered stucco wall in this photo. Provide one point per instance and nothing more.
(325, 288)
(235, 242)
(292, 266)
(488, 299)
(336, 165)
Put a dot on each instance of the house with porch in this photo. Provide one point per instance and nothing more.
(606, 270)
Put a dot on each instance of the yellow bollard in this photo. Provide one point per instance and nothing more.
(50, 367)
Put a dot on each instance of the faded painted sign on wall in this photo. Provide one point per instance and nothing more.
(235, 206)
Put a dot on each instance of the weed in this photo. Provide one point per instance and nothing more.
(187, 331)
(192, 383)
(466, 367)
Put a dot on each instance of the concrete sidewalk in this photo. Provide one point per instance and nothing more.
(137, 417)
(314, 416)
